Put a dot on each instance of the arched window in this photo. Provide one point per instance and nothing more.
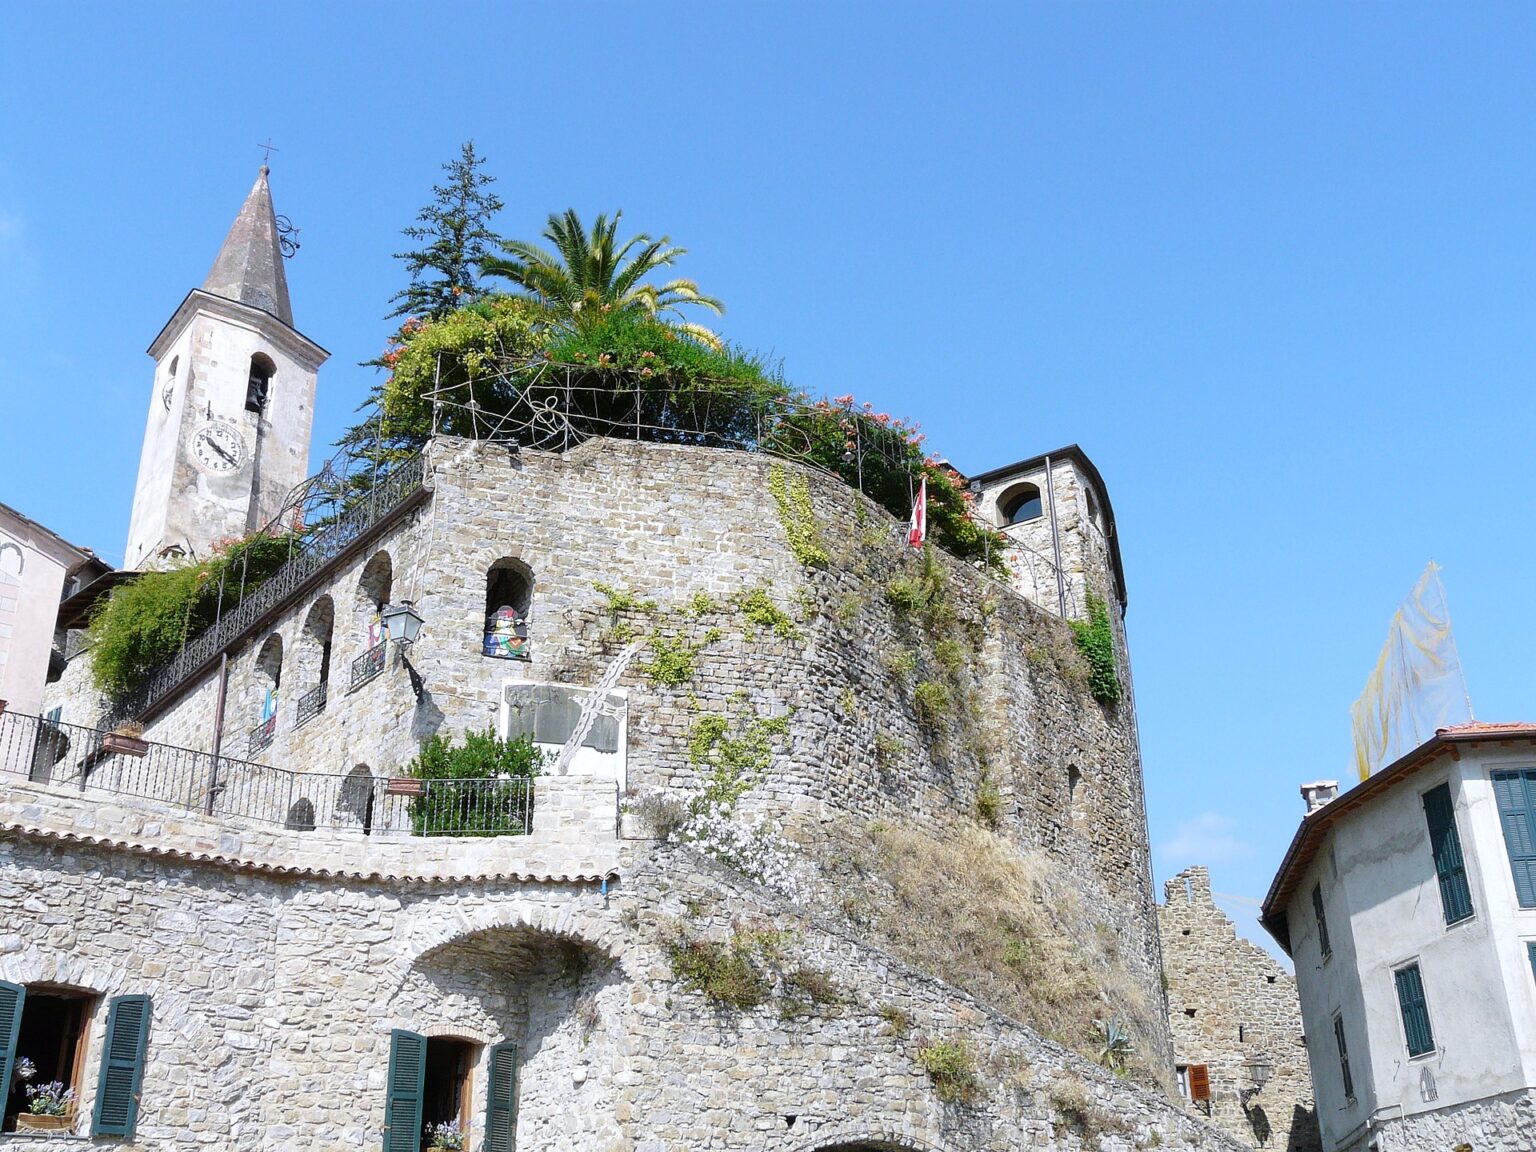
(373, 591)
(301, 816)
(318, 626)
(1020, 505)
(1093, 508)
(10, 564)
(266, 682)
(508, 599)
(259, 383)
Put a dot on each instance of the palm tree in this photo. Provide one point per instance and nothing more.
(587, 277)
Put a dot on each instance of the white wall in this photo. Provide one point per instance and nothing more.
(1384, 911)
(33, 566)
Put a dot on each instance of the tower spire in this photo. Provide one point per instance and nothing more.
(249, 268)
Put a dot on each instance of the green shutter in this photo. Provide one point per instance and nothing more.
(1324, 945)
(1338, 1038)
(122, 1067)
(1445, 843)
(12, 997)
(501, 1099)
(1516, 796)
(1530, 953)
(407, 1083)
(1410, 998)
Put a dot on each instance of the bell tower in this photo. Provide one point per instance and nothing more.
(232, 403)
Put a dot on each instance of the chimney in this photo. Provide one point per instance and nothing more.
(1318, 793)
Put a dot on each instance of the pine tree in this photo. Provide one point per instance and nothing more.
(455, 229)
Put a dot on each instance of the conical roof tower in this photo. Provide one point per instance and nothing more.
(249, 268)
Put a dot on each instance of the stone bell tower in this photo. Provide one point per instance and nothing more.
(233, 398)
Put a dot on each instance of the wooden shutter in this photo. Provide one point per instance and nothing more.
(1445, 843)
(1530, 954)
(1324, 944)
(122, 1067)
(1410, 998)
(1199, 1082)
(12, 997)
(501, 1099)
(1513, 791)
(407, 1084)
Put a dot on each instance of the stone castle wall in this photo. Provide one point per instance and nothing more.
(667, 523)
(275, 990)
(1229, 999)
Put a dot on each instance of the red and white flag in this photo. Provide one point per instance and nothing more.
(917, 530)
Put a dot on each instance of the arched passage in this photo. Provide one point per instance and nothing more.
(374, 586)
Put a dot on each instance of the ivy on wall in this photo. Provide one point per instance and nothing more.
(1096, 641)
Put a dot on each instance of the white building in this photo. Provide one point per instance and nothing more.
(1408, 904)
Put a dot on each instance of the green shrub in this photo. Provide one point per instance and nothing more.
(734, 762)
(673, 661)
(702, 604)
(931, 701)
(1096, 640)
(476, 786)
(989, 803)
(623, 600)
(762, 611)
(950, 654)
(952, 1068)
(727, 973)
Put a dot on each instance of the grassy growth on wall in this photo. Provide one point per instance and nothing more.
(1006, 927)
(1096, 640)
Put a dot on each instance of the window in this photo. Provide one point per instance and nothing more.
(1020, 504)
(1410, 998)
(428, 1085)
(1515, 793)
(1445, 844)
(508, 598)
(259, 383)
(266, 682)
(45, 1025)
(1182, 1071)
(314, 667)
(1338, 1038)
(1324, 945)
(373, 588)
(1530, 954)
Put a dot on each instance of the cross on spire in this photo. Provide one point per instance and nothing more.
(266, 151)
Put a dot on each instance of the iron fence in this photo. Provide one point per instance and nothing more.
(92, 761)
(368, 665)
(311, 704)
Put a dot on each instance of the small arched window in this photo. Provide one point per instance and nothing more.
(1020, 505)
(1093, 508)
(10, 564)
(318, 626)
(301, 816)
(260, 382)
(266, 681)
(373, 591)
(508, 599)
(356, 797)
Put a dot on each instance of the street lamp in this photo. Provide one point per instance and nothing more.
(402, 623)
(1258, 1068)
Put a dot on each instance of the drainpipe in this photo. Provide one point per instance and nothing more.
(218, 730)
(1061, 579)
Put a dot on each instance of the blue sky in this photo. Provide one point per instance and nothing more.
(1272, 266)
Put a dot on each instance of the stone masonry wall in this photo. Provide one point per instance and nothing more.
(1228, 999)
(274, 996)
(667, 523)
(1497, 1124)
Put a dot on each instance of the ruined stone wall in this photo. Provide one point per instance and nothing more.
(1229, 999)
(1016, 738)
(274, 996)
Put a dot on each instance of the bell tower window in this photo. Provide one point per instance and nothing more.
(259, 383)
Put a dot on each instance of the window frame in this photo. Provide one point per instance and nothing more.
(1404, 1006)
(1506, 816)
(1320, 914)
(1448, 876)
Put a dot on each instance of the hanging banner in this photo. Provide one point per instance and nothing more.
(1417, 685)
(917, 529)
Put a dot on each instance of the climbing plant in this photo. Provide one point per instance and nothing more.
(1096, 640)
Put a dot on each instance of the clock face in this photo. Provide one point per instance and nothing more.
(218, 448)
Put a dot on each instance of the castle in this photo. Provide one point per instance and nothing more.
(235, 923)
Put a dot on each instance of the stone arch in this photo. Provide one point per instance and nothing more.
(266, 682)
(258, 385)
(861, 1137)
(11, 562)
(1020, 503)
(508, 604)
(314, 664)
(355, 800)
(374, 587)
(569, 920)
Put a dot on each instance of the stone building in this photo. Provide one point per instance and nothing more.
(1229, 1003)
(240, 925)
(1408, 903)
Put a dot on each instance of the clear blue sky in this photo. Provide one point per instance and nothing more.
(1271, 265)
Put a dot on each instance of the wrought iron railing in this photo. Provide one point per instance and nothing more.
(404, 480)
(311, 704)
(262, 735)
(91, 761)
(368, 665)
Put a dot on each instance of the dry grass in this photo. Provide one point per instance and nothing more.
(1008, 928)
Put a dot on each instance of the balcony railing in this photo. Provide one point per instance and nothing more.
(311, 704)
(368, 665)
(262, 735)
(222, 787)
(325, 545)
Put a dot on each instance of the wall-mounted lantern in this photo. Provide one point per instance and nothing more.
(402, 623)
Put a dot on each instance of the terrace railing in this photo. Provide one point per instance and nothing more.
(222, 787)
(311, 553)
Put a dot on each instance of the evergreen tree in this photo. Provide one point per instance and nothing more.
(455, 229)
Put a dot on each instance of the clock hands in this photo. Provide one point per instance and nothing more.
(220, 449)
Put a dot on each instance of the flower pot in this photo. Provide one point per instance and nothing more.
(405, 786)
(127, 745)
(27, 1122)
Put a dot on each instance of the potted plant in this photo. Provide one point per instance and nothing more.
(447, 1137)
(50, 1108)
(126, 738)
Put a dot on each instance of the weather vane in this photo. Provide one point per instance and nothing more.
(287, 234)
